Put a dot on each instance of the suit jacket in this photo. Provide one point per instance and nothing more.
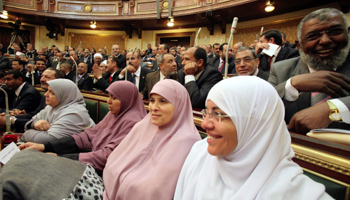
(37, 76)
(285, 53)
(143, 74)
(4, 63)
(199, 89)
(71, 76)
(85, 82)
(23, 119)
(28, 99)
(151, 79)
(103, 83)
(211, 55)
(122, 60)
(262, 74)
(284, 70)
(215, 62)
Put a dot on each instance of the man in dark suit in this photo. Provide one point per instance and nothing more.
(26, 96)
(116, 53)
(282, 53)
(39, 69)
(135, 73)
(163, 48)
(198, 77)
(67, 69)
(219, 61)
(102, 81)
(19, 66)
(84, 80)
(247, 62)
(216, 50)
(320, 98)
(4, 62)
(19, 117)
(211, 53)
(168, 69)
(86, 56)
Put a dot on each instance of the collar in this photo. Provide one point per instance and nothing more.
(138, 72)
(277, 51)
(113, 73)
(256, 72)
(19, 89)
(221, 60)
(199, 74)
(161, 76)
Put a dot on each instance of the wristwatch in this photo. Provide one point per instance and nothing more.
(334, 114)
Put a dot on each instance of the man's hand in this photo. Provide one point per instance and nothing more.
(96, 71)
(190, 68)
(331, 83)
(31, 68)
(16, 112)
(32, 145)
(260, 46)
(310, 118)
(41, 125)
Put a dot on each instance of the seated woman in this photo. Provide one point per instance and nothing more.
(64, 115)
(145, 165)
(126, 109)
(247, 154)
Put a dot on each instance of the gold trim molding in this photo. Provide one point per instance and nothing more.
(322, 159)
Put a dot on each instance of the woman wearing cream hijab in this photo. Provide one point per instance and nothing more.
(247, 154)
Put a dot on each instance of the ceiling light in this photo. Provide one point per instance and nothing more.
(93, 24)
(4, 14)
(170, 21)
(269, 6)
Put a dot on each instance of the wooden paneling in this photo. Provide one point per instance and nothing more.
(21, 4)
(76, 7)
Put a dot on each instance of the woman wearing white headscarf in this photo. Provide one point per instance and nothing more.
(247, 153)
(64, 115)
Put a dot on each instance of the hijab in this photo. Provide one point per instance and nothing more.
(147, 163)
(103, 138)
(70, 115)
(261, 166)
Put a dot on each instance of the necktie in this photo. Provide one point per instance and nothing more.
(270, 60)
(110, 79)
(133, 78)
(222, 66)
(79, 77)
(317, 98)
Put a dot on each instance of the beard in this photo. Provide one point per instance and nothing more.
(328, 64)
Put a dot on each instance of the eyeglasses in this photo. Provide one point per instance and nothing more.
(330, 32)
(245, 60)
(213, 116)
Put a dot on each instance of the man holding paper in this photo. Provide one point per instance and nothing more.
(270, 50)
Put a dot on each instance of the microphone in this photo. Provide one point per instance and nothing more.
(7, 116)
(76, 71)
(196, 40)
(261, 31)
(126, 73)
(233, 28)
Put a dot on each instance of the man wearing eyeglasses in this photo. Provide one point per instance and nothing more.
(247, 62)
(315, 86)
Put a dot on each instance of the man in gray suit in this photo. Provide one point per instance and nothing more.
(322, 71)
(168, 69)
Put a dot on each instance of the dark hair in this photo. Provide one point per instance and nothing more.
(215, 44)
(273, 33)
(173, 48)
(283, 35)
(200, 53)
(39, 59)
(117, 61)
(68, 63)
(221, 48)
(58, 73)
(210, 45)
(247, 48)
(166, 46)
(20, 62)
(16, 74)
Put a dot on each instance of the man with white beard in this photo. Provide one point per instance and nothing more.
(315, 86)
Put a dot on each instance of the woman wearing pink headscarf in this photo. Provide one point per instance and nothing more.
(126, 109)
(146, 165)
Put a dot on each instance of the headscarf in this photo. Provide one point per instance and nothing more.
(147, 163)
(106, 135)
(261, 166)
(69, 116)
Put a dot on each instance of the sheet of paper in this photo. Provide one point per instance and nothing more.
(272, 49)
(7, 153)
(330, 130)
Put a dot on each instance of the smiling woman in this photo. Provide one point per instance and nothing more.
(246, 155)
